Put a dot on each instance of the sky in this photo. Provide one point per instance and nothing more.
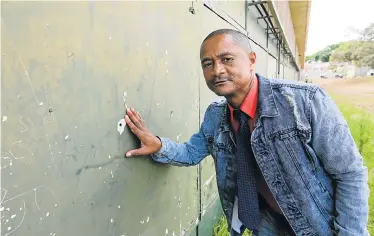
(330, 19)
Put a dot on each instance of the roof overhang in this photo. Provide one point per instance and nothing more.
(300, 12)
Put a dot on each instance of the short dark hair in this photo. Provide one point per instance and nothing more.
(238, 37)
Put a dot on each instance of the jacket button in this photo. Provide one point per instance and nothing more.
(210, 140)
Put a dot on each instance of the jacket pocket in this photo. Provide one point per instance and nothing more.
(301, 157)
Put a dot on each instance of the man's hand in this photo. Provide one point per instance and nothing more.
(149, 143)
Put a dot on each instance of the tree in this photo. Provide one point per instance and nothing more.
(368, 33)
(323, 55)
(360, 51)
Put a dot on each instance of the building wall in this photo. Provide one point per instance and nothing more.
(66, 67)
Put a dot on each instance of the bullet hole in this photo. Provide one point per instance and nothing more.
(50, 110)
(71, 55)
(192, 9)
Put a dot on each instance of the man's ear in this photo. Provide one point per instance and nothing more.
(252, 60)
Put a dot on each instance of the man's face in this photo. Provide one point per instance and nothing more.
(226, 66)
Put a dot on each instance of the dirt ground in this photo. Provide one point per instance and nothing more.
(357, 91)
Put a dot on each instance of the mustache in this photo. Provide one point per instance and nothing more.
(218, 79)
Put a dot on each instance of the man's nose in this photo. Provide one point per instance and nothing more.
(218, 69)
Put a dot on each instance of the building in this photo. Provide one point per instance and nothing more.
(69, 69)
(316, 69)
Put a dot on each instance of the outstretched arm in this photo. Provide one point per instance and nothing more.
(334, 145)
(165, 150)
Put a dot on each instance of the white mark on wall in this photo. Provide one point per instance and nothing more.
(2, 208)
(110, 156)
(166, 62)
(52, 234)
(124, 97)
(166, 231)
(178, 136)
(147, 219)
(121, 126)
(111, 220)
(119, 206)
(142, 222)
(110, 37)
(147, 44)
(76, 127)
(23, 217)
(167, 71)
(41, 104)
(5, 118)
(47, 214)
(166, 52)
(66, 137)
(9, 228)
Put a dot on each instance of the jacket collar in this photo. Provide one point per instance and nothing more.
(266, 101)
(266, 106)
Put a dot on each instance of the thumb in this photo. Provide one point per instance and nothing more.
(137, 152)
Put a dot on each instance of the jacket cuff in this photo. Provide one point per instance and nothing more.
(163, 151)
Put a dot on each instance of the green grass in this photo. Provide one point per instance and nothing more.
(361, 124)
(220, 229)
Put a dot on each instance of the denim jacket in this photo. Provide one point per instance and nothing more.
(304, 149)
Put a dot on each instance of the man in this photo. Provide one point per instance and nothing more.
(286, 162)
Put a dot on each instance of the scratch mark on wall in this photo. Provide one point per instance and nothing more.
(25, 126)
(26, 192)
(209, 180)
(2, 199)
(99, 165)
(36, 202)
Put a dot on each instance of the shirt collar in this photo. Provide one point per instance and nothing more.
(249, 105)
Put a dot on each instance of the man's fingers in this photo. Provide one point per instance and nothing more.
(137, 152)
(132, 115)
(141, 121)
(132, 126)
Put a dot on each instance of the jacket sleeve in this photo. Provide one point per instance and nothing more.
(336, 148)
(188, 153)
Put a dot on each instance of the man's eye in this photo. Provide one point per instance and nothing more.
(227, 59)
(206, 64)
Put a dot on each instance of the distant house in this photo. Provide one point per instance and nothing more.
(335, 70)
(315, 69)
(354, 71)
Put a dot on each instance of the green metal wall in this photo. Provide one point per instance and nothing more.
(65, 67)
